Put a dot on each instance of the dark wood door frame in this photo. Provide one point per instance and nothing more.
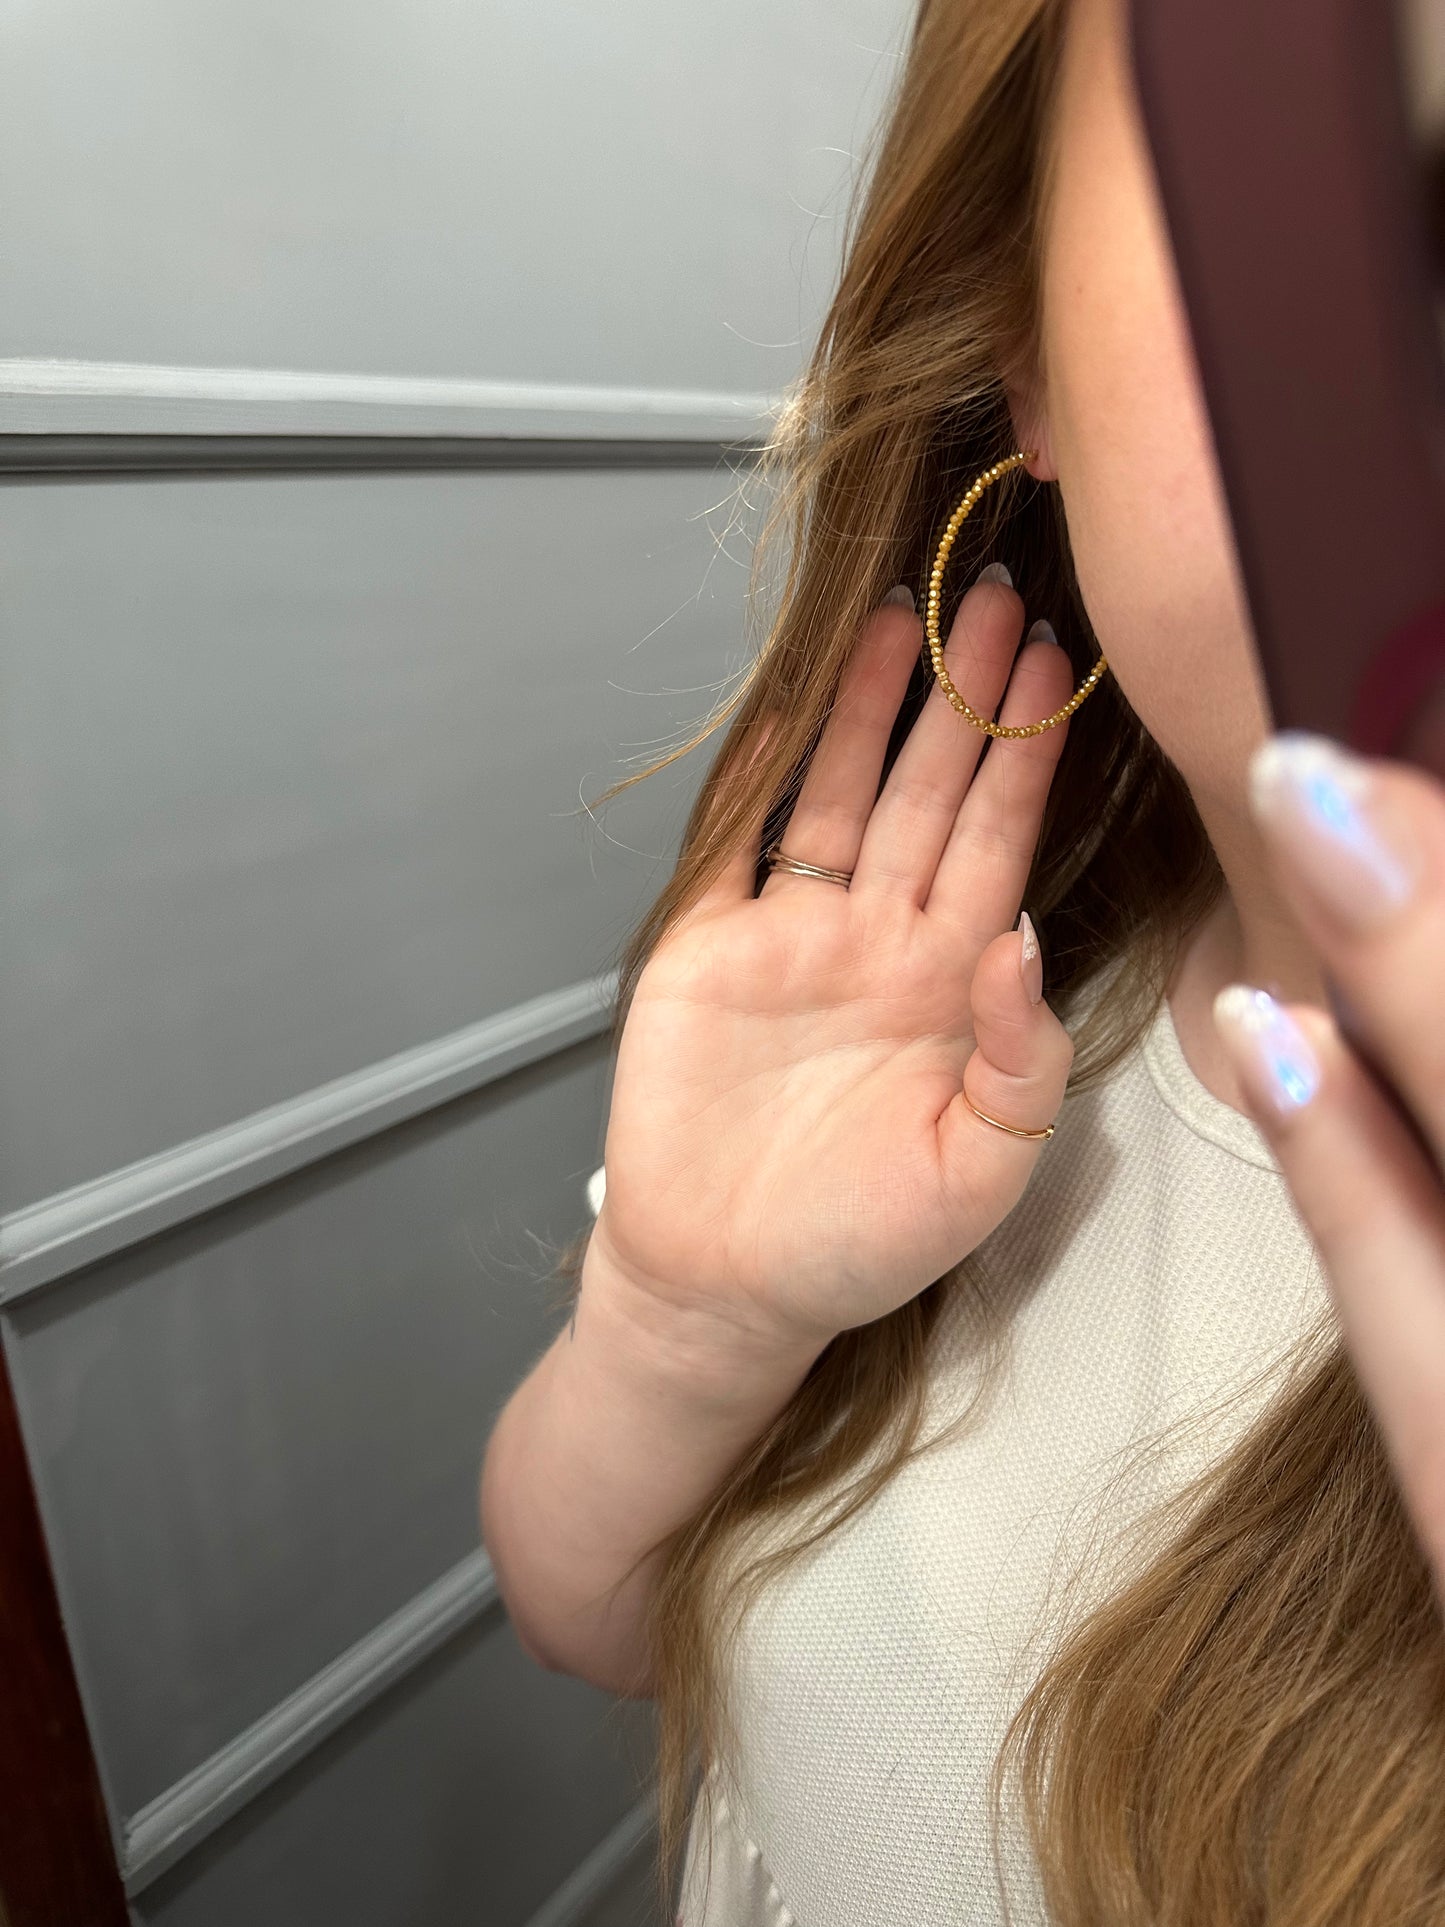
(57, 1862)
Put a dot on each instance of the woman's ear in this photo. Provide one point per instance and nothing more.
(1030, 419)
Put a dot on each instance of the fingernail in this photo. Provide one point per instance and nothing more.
(1031, 964)
(900, 595)
(996, 572)
(1274, 1058)
(1318, 801)
(597, 1189)
(1041, 632)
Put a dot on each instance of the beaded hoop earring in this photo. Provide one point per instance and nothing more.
(935, 587)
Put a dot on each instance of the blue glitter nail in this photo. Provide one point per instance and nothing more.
(1276, 1044)
(1315, 797)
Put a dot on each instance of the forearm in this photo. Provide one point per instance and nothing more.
(626, 1425)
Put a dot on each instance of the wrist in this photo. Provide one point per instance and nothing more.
(716, 1354)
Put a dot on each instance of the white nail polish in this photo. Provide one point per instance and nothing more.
(1041, 632)
(1031, 967)
(1316, 798)
(900, 596)
(996, 572)
(1275, 1057)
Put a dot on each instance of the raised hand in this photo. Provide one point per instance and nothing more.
(790, 1143)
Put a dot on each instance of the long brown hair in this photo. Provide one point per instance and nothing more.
(1253, 1730)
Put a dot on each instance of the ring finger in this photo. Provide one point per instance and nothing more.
(828, 820)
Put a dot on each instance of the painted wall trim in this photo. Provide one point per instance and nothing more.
(50, 397)
(166, 1830)
(41, 457)
(47, 1241)
(590, 1880)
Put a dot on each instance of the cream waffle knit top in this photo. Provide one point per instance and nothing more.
(1154, 1267)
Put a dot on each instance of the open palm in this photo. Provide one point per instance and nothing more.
(788, 1140)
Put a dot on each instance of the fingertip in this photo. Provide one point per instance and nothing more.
(1016, 1029)
(1272, 1053)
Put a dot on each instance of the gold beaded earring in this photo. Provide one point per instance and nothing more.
(935, 589)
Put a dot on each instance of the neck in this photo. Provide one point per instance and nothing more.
(1249, 937)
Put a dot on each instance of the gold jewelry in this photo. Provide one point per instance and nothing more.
(777, 861)
(935, 587)
(1012, 1129)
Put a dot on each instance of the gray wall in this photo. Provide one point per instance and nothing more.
(309, 936)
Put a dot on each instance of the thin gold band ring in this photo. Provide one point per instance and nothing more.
(777, 861)
(999, 1125)
(794, 866)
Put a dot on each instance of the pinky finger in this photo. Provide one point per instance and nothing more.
(1375, 1207)
(735, 880)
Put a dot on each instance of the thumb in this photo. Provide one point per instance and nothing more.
(1019, 1070)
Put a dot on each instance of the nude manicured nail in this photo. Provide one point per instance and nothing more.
(1041, 632)
(1273, 1056)
(899, 596)
(1031, 963)
(1316, 799)
(996, 572)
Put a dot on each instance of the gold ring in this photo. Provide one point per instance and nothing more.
(794, 867)
(999, 1125)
